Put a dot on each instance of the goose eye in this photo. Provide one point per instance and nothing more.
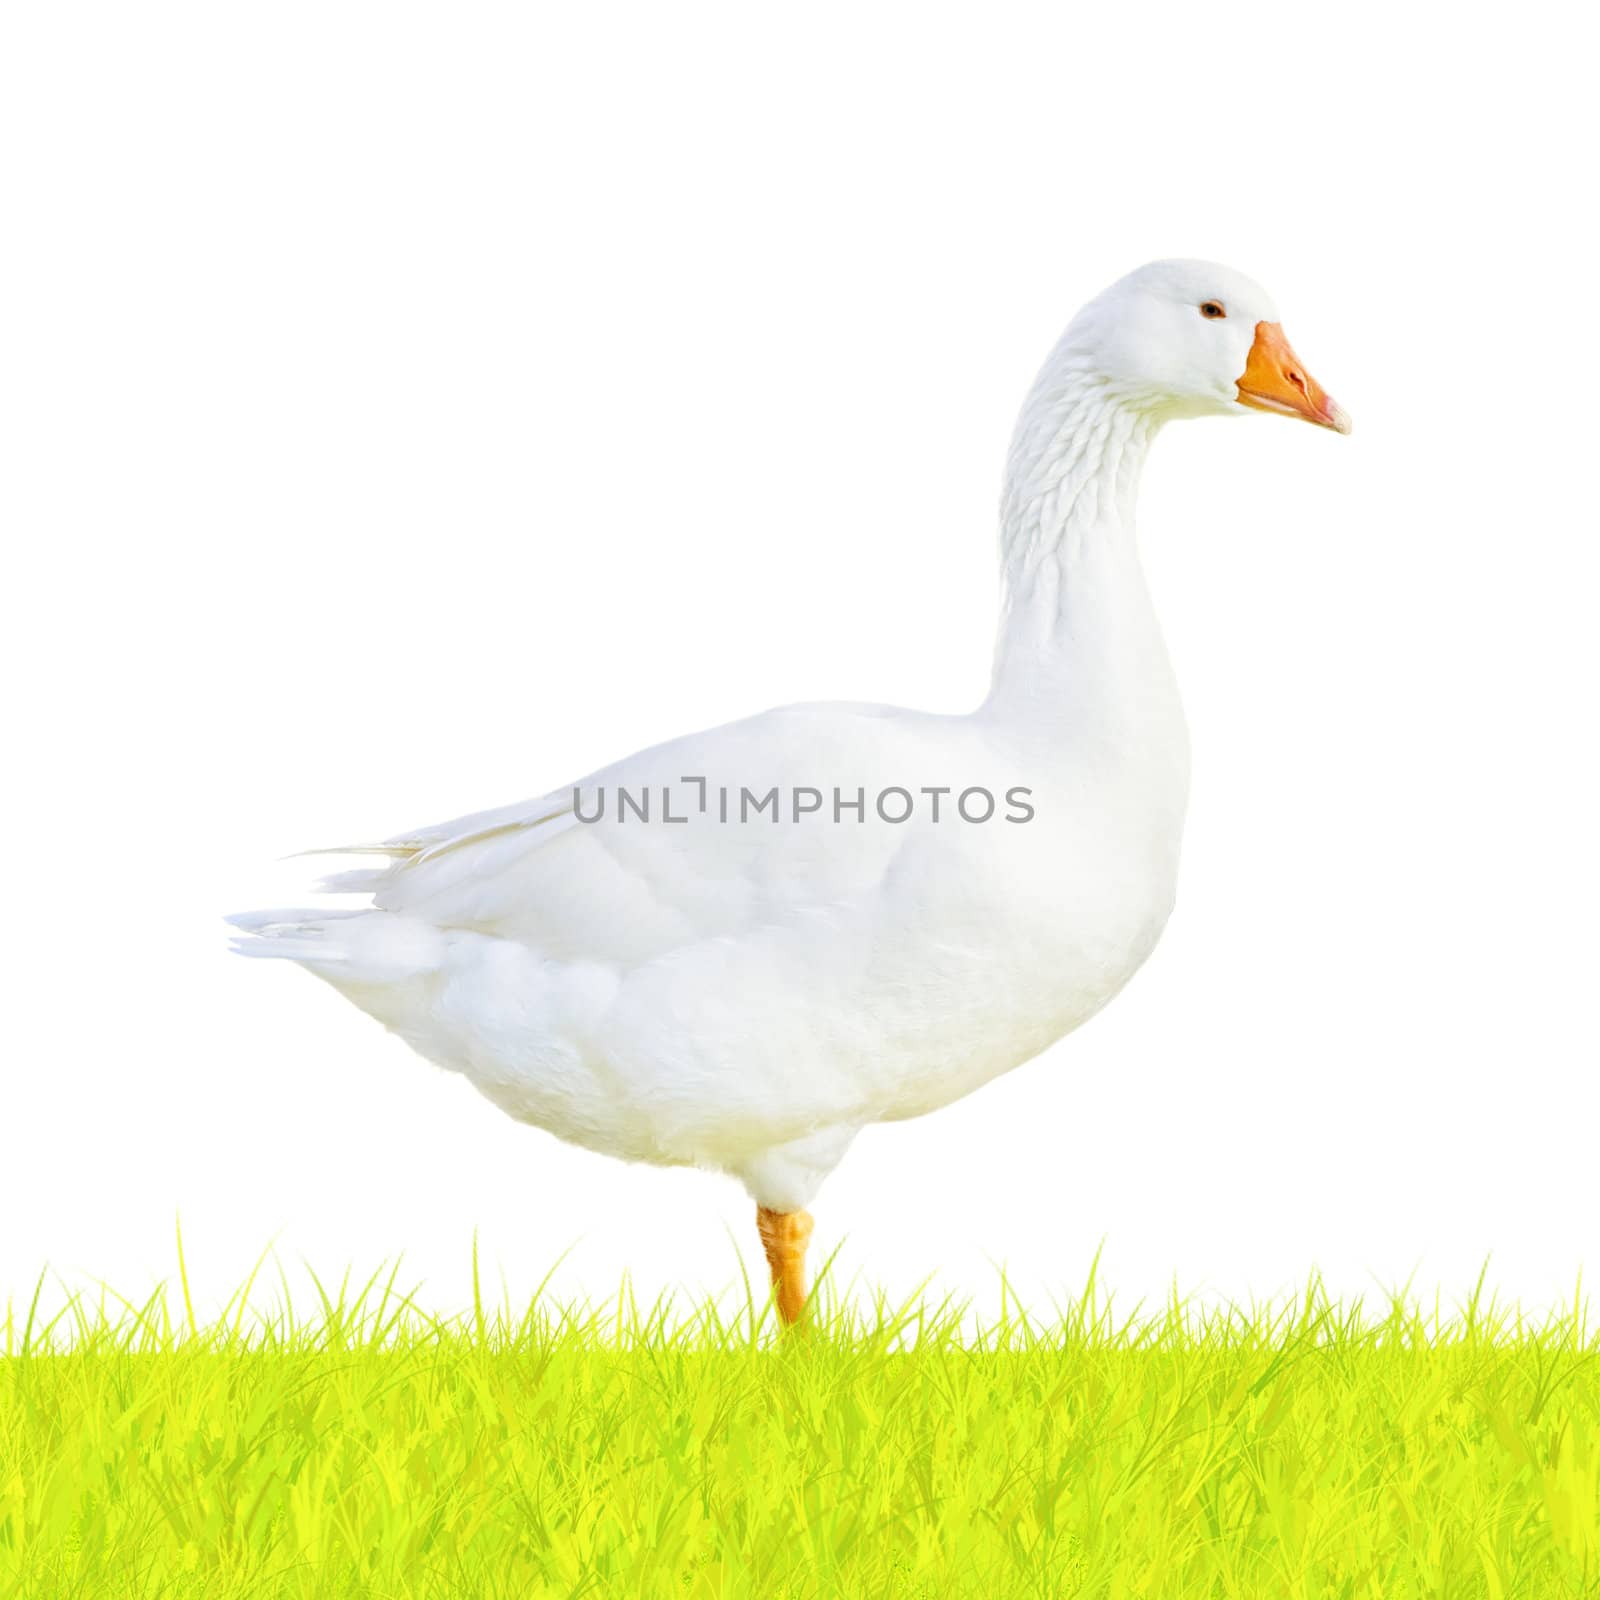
(1212, 309)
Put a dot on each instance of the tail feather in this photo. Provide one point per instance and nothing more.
(291, 935)
(310, 952)
(364, 946)
(358, 880)
(295, 917)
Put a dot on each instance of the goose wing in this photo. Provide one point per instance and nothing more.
(579, 876)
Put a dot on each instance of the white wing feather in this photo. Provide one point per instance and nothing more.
(622, 890)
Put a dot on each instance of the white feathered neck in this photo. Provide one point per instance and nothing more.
(1078, 636)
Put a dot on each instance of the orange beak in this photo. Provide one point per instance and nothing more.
(1274, 380)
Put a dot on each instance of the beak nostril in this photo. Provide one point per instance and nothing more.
(1297, 379)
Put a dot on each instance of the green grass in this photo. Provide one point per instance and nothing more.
(1298, 1451)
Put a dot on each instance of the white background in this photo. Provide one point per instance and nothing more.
(404, 410)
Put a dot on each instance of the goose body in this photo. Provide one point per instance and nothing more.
(688, 975)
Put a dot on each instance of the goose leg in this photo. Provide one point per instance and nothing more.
(785, 1235)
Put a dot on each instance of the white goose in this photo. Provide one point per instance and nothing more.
(666, 963)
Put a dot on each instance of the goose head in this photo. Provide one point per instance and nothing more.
(1193, 338)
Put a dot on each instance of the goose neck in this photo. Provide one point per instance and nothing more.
(1075, 611)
